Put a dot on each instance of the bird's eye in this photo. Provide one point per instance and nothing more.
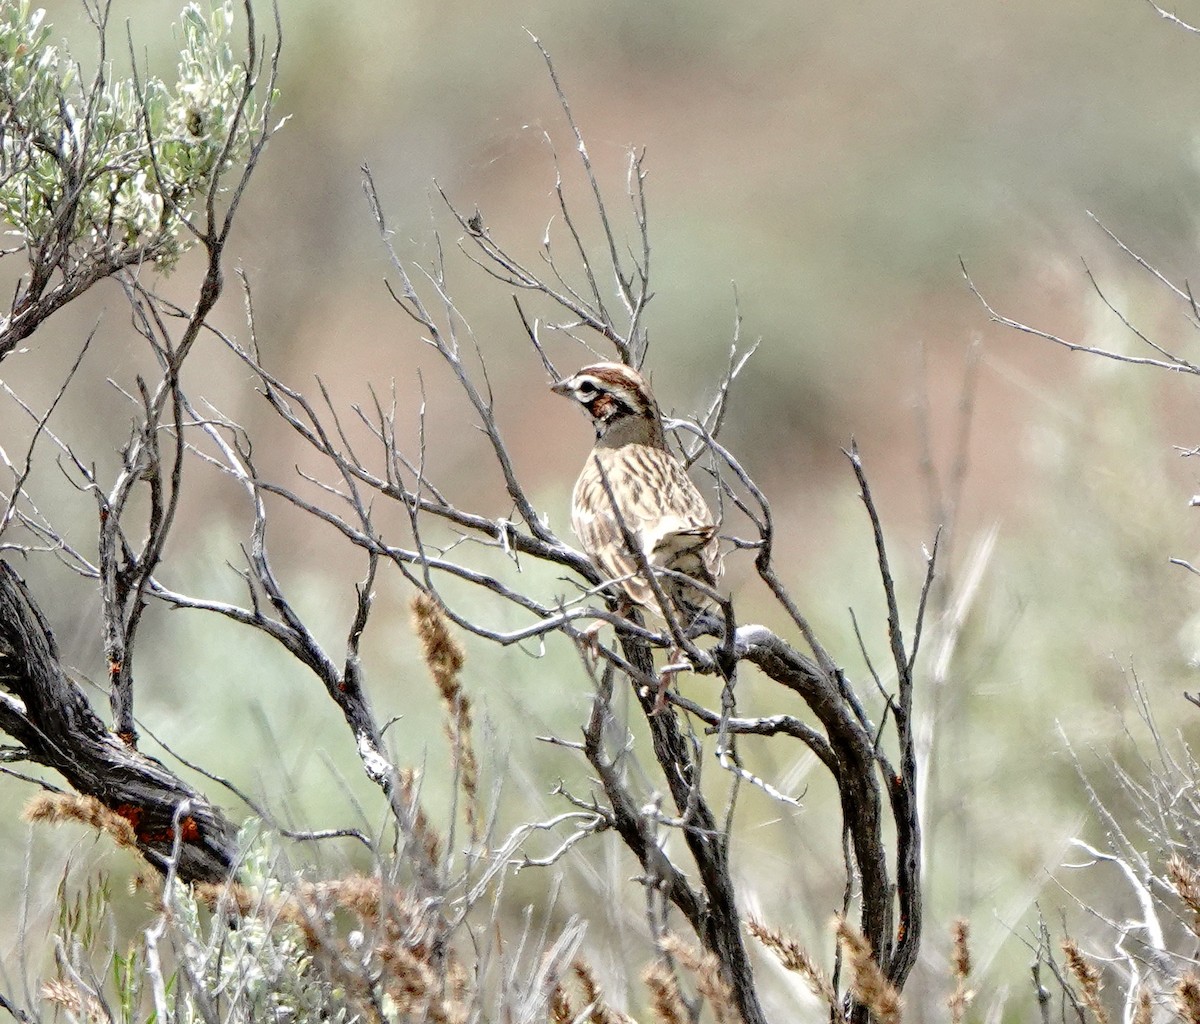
(587, 388)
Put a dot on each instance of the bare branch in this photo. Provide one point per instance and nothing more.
(1173, 18)
(1120, 357)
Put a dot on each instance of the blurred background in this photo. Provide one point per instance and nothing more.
(821, 169)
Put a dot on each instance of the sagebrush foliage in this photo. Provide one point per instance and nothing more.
(125, 160)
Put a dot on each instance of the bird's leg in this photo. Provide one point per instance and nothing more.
(587, 643)
(589, 646)
(668, 672)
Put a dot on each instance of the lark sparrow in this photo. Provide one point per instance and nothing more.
(659, 506)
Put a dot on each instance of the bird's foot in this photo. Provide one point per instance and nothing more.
(675, 665)
(589, 646)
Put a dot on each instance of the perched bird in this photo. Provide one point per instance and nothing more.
(651, 494)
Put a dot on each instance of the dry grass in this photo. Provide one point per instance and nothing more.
(561, 1011)
(598, 1012)
(961, 997)
(1187, 998)
(74, 1003)
(1088, 978)
(1143, 1012)
(444, 658)
(867, 983)
(707, 971)
(666, 1003)
(402, 962)
(426, 836)
(60, 808)
(793, 957)
(1185, 879)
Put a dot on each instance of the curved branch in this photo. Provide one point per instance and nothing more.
(49, 715)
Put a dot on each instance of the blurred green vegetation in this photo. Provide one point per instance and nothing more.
(832, 163)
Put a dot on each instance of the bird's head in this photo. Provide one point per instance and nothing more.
(619, 401)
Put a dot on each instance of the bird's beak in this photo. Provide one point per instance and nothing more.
(562, 387)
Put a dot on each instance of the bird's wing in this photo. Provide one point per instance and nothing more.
(599, 531)
(659, 506)
(686, 533)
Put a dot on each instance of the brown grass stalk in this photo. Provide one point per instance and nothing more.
(561, 1011)
(601, 1012)
(60, 808)
(423, 832)
(867, 983)
(1088, 978)
(1144, 1011)
(71, 1000)
(960, 960)
(1185, 879)
(707, 970)
(665, 1001)
(444, 659)
(1187, 998)
(794, 958)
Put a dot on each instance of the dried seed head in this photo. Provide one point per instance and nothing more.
(665, 1000)
(1144, 1011)
(1187, 998)
(794, 958)
(1088, 977)
(58, 808)
(1185, 879)
(867, 982)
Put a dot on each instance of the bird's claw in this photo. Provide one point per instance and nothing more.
(668, 672)
(589, 646)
